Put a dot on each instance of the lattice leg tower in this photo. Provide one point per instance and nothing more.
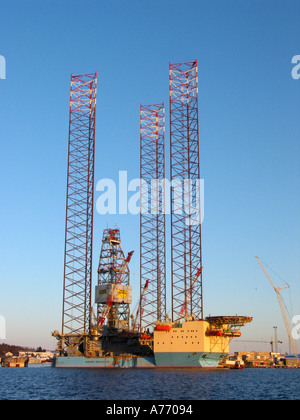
(186, 250)
(79, 206)
(152, 218)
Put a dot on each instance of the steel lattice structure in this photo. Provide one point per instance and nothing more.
(111, 262)
(152, 216)
(186, 253)
(79, 206)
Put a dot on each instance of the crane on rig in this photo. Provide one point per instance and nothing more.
(277, 291)
(140, 309)
(183, 311)
(113, 292)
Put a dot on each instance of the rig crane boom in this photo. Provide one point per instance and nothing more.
(190, 293)
(140, 309)
(277, 291)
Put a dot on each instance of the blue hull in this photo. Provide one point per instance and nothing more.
(161, 360)
(188, 360)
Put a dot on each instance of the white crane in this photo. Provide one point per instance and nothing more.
(190, 294)
(140, 309)
(287, 325)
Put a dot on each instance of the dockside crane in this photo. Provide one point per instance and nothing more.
(277, 291)
(264, 342)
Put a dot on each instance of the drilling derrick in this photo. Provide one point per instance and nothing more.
(186, 253)
(152, 216)
(79, 206)
(113, 293)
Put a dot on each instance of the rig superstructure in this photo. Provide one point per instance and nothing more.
(148, 338)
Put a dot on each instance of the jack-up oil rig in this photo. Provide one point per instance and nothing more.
(149, 337)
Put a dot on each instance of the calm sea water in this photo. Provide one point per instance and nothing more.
(159, 384)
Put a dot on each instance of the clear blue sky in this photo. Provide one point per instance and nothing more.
(249, 108)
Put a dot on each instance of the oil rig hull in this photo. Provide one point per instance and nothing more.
(161, 360)
(190, 344)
